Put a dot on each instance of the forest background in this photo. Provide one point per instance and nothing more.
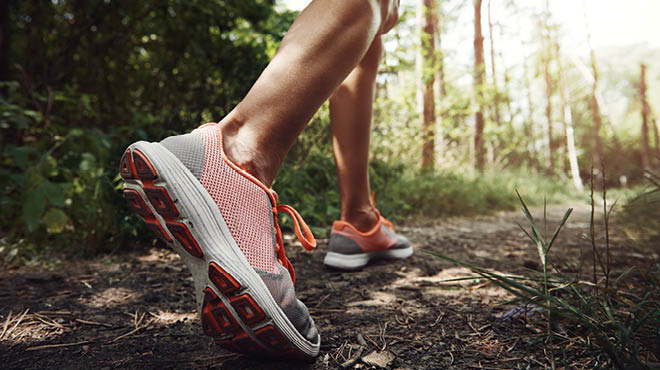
(461, 118)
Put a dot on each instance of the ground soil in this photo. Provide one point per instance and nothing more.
(137, 310)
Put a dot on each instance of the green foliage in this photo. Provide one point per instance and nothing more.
(405, 192)
(58, 184)
(99, 75)
(640, 217)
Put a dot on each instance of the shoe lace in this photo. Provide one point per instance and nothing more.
(302, 231)
(385, 221)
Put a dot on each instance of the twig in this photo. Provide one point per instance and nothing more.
(6, 325)
(314, 309)
(358, 354)
(438, 319)
(93, 323)
(136, 322)
(47, 320)
(382, 335)
(15, 325)
(46, 346)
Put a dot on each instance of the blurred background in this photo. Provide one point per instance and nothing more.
(474, 100)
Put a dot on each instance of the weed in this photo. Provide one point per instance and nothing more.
(615, 316)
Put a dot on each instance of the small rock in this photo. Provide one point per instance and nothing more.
(380, 359)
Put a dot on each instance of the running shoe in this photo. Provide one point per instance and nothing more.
(223, 223)
(350, 249)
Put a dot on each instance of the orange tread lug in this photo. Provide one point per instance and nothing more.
(161, 201)
(155, 226)
(248, 310)
(222, 280)
(272, 338)
(126, 167)
(182, 234)
(143, 168)
(137, 203)
(216, 319)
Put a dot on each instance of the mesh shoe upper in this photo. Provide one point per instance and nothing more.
(346, 239)
(247, 208)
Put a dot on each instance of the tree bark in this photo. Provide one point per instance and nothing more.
(4, 43)
(597, 153)
(529, 126)
(567, 118)
(546, 56)
(646, 148)
(656, 136)
(496, 96)
(440, 85)
(478, 87)
(428, 76)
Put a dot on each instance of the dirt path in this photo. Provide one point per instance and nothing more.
(136, 311)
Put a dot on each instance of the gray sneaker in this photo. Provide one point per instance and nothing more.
(223, 223)
(350, 249)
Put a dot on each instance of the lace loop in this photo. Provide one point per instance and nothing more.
(305, 235)
(385, 221)
(302, 231)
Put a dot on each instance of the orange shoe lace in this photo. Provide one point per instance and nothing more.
(303, 233)
(385, 221)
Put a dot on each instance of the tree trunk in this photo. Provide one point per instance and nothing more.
(646, 148)
(567, 118)
(478, 87)
(428, 76)
(550, 161)
(529, 126)
(4, 43)
(440, 85)
(496, 96)
(656, 137)
(597, 154)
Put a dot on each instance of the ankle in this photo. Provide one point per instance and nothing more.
(363, 219)
(241, 148)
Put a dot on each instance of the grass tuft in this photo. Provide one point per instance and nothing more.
(615, 316)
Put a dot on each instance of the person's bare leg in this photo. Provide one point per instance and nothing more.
(320, 49)
(351, 107)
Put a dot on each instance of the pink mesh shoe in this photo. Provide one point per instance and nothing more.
(223, 223)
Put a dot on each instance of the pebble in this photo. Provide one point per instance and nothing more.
(380, 359)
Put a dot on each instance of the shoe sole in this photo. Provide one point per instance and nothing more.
(235, 306)
(356, 261)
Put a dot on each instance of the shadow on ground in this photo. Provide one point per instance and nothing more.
(137, 311)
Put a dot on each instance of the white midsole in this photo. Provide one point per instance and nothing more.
(353, 261)
(205, 222)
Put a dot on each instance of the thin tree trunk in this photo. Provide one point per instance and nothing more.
(656, 137)
(478, 87)
(565, 99)
(646, 149)
(597, 150)
(595, 111)
(550, 161)
(4, 43)
(567, 118)
(529, 126)
(496, 97)
(428, 76)
(440, 85)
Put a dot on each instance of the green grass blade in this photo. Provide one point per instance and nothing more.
(558, 229)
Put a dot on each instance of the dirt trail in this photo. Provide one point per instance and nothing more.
(136, 311)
